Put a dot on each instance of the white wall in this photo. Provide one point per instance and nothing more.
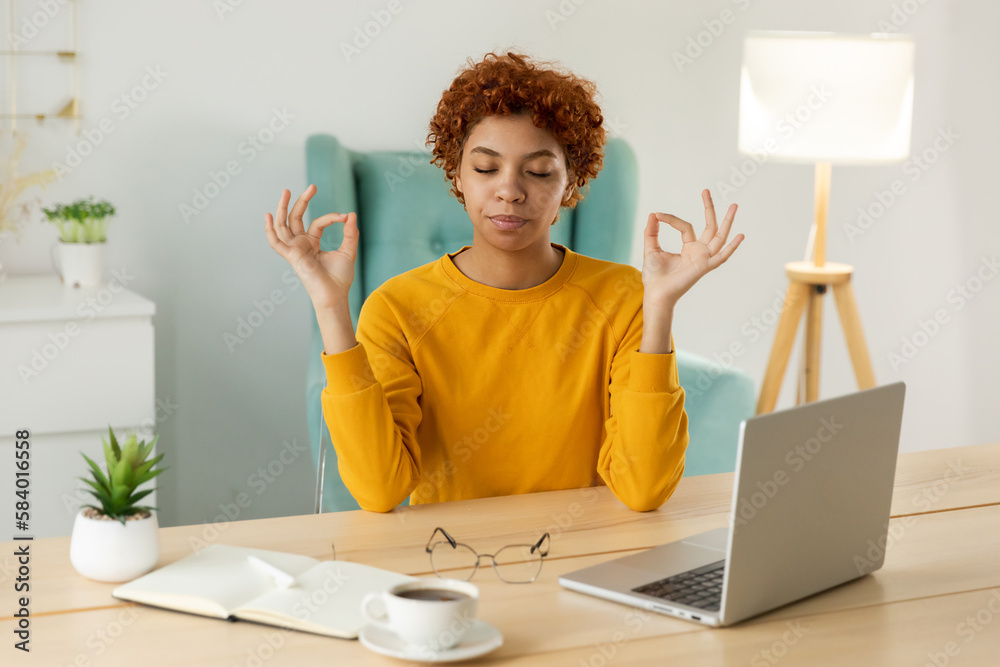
(225, 74)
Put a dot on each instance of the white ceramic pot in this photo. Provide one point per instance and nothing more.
(108, 551)
(80, 264)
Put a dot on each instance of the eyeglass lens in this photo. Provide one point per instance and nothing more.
(513, 564)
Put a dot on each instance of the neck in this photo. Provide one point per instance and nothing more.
(515, 270)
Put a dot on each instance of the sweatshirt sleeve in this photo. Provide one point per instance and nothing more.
(373, 414)
(642, 456)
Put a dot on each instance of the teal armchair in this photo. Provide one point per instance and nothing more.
(384, 188)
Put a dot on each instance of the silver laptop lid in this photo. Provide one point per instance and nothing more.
(813, 496)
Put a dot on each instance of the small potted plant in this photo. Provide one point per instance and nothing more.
(82, 238)
(118, 539)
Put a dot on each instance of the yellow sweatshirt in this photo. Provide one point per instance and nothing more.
(460, 390)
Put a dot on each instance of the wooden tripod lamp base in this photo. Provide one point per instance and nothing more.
(808, 284)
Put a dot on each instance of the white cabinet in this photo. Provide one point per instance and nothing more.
(72, 361)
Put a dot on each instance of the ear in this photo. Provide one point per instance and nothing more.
(458, 179)
(570, 185)
(568, 192)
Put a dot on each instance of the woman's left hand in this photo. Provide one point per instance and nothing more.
(666, 276)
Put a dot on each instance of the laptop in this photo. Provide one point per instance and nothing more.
(810, 508)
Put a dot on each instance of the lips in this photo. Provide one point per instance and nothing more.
(508, 221)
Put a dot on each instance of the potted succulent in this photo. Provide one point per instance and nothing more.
(118, 539)
(82, 238)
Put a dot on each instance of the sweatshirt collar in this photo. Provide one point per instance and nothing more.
(541, 291)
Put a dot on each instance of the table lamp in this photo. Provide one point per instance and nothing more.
(823, 98)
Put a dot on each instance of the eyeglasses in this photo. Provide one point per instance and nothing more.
(514, 564)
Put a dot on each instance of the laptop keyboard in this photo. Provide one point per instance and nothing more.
(700, 588)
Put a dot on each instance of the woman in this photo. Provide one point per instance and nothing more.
(513, 365)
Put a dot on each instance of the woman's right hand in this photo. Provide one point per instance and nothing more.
(327, 276)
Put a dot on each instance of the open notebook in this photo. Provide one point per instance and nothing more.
(220, 581)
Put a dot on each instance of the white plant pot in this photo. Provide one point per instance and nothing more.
(80, 264)
(108, 551)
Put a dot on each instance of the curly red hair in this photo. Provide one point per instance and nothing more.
(503, 85)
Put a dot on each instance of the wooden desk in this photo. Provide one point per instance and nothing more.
(938, 593)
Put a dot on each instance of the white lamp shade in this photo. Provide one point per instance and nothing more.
(812, 97)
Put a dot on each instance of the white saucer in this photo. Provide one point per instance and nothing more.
(479, 640)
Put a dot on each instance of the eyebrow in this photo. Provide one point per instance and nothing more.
(492, 153)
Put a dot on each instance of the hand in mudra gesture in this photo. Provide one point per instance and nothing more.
(326, 275)
(666, 276)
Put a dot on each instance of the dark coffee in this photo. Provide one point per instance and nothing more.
(432, 594)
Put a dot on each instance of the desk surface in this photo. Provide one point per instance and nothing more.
(935, 598)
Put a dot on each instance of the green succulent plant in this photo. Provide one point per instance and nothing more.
(127, 470)
(83, 221)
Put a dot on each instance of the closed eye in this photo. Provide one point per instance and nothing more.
(490, 171)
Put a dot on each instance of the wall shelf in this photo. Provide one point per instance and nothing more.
(70, 110)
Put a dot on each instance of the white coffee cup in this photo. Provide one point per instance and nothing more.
(433, 624)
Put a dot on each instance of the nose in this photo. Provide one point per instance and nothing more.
(509, 187)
